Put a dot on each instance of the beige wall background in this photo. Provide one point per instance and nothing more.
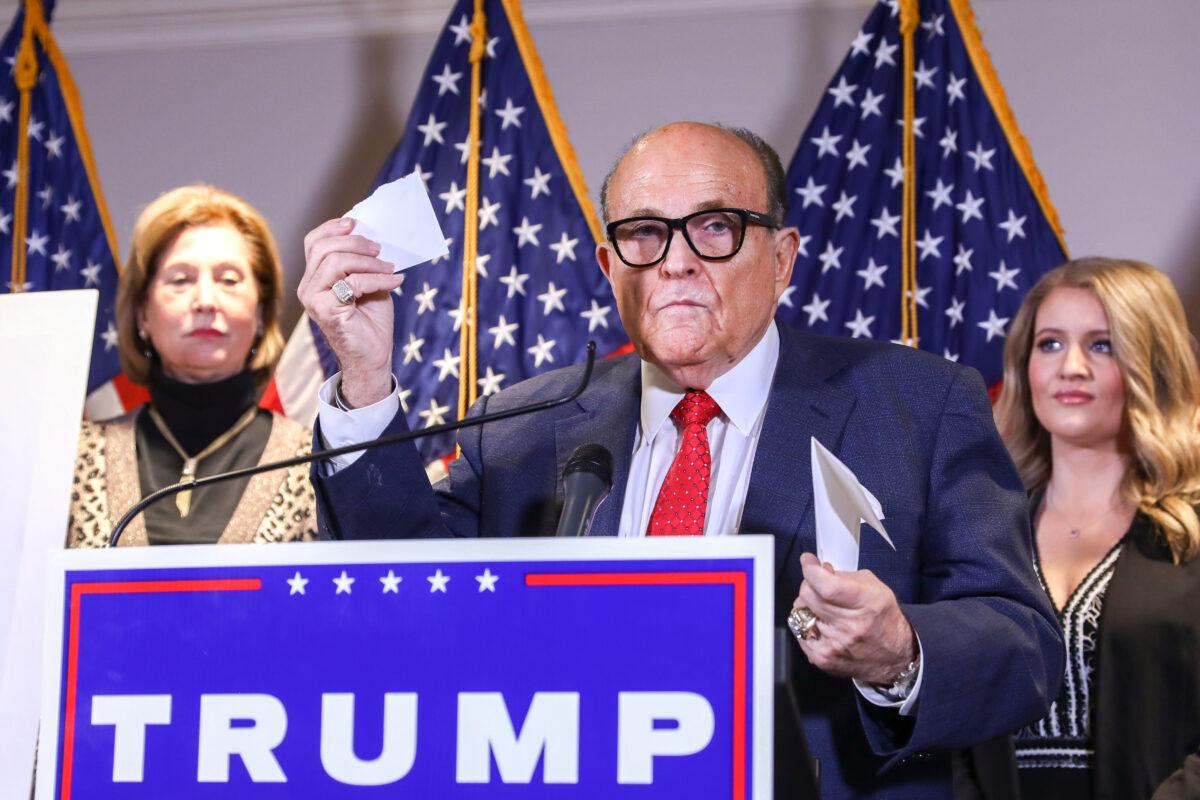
(296, 103)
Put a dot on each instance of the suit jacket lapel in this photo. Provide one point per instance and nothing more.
(608, 416)
(802, 404)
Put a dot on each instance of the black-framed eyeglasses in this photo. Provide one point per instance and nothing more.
(714, 234)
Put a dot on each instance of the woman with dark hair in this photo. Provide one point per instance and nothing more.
(198, 323)
(1099, 410)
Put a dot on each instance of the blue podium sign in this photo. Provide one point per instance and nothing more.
(591, 668)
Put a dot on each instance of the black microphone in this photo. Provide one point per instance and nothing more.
(405, 436)
(587, 477)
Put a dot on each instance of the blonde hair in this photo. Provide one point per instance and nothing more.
(157, 227)
(1157, 359)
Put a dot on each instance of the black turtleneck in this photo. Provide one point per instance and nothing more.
(196, 414)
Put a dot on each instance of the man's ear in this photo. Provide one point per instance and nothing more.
(607, 259)
(787, 244)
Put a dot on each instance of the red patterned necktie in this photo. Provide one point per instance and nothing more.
(683, 498)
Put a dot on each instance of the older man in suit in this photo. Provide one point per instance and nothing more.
(945, 641)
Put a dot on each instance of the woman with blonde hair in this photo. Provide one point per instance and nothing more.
(198, 307)
(1099, 410)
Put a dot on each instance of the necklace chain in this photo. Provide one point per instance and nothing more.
(183, 500)
(1075, 530)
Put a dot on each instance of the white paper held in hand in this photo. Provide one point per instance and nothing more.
(400, 217)
(840, 505)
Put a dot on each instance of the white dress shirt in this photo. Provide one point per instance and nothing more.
(732, 439)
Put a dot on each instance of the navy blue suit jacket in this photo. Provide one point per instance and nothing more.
(918, 432)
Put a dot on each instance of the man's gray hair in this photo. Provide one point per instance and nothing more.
(767, 157)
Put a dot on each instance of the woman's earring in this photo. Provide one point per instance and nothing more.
(147, 348)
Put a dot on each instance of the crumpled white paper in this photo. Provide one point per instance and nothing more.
(400, 217)
(840, 505)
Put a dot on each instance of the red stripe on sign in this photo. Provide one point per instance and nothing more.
(78, 590)
(737, 580)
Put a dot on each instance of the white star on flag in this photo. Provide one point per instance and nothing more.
(564, 248)
(994, 325)
(816, 309)
(596, 316)
(860, 326)
(541, 351)
(538, 184)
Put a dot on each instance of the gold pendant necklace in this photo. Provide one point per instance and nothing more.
(183, 500)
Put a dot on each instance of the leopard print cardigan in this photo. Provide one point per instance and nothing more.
(272, 509)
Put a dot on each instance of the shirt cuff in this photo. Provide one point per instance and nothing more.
(342, 426)
(906, 705)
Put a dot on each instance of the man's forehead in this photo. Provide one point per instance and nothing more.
(703, 167)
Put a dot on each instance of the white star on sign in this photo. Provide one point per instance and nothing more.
(432, 130)
(970, 208)
(962, 260)
(826, 143)
(886, 224)
(1014, 225)
(71, 209)
(930, 245)
(510, 114)
(873, 274)
(940, 194)
(843, 93)
(297, 583)
(61, 259)
(844, 207)
(425, 298)
(391, 582)
(515, 282)
(490, 382)
(811, 193)
(994, 325)
(538, 184)
(955, 311)
(487, 213)
(435, 414)
(981, 157)
(954, 89)
(541, 351)
(437, 582)
(596, 316)
(860, 45)
(870, 104)
(343, 582)
(1004, 278)
(857, 156)
(487, 581)
(455, 197)
(110, 337)
(564, 248)
(461, 31)
(860, 326)
(551, 299)
(924, 75)
(91, 274)
(527, 233)
(816, 309)
(503, 331)
(412, 350)
(885, 54)
(447, 364)
(497, 162)
(447, 81)
(831, 258)
(896, 173)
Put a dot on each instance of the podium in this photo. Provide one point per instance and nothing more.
(564, 668)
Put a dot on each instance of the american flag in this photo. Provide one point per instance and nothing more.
(67, 239)
(984, 229)
(541, 296)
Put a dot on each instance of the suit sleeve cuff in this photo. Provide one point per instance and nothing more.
(906, 705)
(341, 426)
